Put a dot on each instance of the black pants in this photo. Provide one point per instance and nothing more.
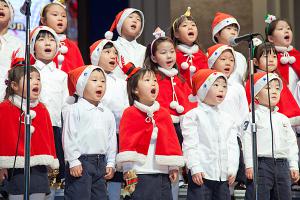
(179, 133)
(91, 185)
(210, 190)
(59, 152)
(152, 187)
(267, 187)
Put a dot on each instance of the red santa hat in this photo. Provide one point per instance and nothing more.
(119, 20)
(96, 49)
(215, 51)
(220, 21)
(260, 81)
(77, 80)
(35, 32)
(12, 12)
(129, 69)
(202, 80)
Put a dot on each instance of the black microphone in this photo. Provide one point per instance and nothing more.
(23, 9)
(235, 40)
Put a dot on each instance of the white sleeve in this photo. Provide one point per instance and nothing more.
(233, 151)
(190, 145)
(291, 142)
(244, 110)
(70, 143)
(247, 144)
(112, 144)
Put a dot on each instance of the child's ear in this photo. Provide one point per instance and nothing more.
(43, 20)
(14, 85)
(255, 61)
(153, 59)
(176, 34)
(270, 38)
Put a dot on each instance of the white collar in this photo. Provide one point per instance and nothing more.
(62, 37)
(265, 108)
(168, 72)
(16, 100)
(126, 42)
(40, 65)
(149, 110)
(283, 49)
(188, 49)
(88, 106)
(207, 107)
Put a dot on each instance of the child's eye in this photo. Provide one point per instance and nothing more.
(224, 86)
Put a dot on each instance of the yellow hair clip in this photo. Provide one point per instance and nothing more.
(188, 12)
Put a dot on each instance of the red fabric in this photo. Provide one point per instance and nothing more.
(165, 95)
(199, 61)
(199, 78)
(73, 58)
(135, 133)
(42, 140)
(284, 69)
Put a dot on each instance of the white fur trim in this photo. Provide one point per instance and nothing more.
(168, 72)
(192, 98)
(95, 55)
(187, 49)
(108, 35)
(130, 156)
(170, 160)
(125, 14)
(70, 100)
(175, 119)
(216, 54)
(223, 24)
(260, 83)
(48, 160)
(284, 49)
(295, 121)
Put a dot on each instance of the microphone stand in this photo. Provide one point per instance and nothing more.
(26, 8)
(253, 125)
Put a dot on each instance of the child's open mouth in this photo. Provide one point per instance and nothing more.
(191, 34)
(2, 14)
(99, 92)
(112, 62)
(227, 69)
(133, 26)
(169, 62)
(287, 37)
(60, 25)
(153, 91)
(35, 89)
(48, 50)
(220, 96)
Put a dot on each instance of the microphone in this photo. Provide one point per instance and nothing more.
(23, 9)
(235, 40)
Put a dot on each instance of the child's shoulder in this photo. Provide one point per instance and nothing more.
(5, 104)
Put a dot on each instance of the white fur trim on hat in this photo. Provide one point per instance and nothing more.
(125, 14)
(216, 54)
(202, 91)
(35, 34)
(262, 82)
(222, 24)
(12, 12)
(95, 55)
(83, 78)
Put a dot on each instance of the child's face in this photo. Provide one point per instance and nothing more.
(187, 32)
(56, 18)
(165, 55)
(216, 92)
(95, 87)
(226, 33)
(262, 96)
(131, 27)
(282, 35)
(147, 89)
(35, 86)
(4, 13)
(108, 59)
(225, 63)
(262, 64)
(45, 48)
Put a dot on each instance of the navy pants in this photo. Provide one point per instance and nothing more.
(267, 187)
(91, 185)
(59, 152)
(152, 187)
(210, 190)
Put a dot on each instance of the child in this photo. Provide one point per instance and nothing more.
(287, 104)
(9, 44)
(278, 136)
(222, 58)
(54, 16)
(104, 54)
(148, 142)
(190, 58)
(42, 151)
(224, 27)
(279, 32)
(129, 24)
(209, 140)
(89, 136)
(43, 48)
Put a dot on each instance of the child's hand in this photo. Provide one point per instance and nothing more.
(109, 173)
(198, 178)
(294, 175)
(231, 179)
(76, 171)
(3, 174)
(173, 174)
(249, 173)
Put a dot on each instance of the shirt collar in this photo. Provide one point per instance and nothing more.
(126, 42)
(265, 108)
(207, 107)
(40, 65)
(88, 106)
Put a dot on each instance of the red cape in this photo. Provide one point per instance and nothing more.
(284, 68)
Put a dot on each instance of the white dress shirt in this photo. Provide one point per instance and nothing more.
(115, 97)
(209, 142)
(8, 45)
(285, 144)
(131, 52)
(235, 104)
(238, 74)
(89, 129)
(54, 90)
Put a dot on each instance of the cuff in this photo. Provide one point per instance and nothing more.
(110, 164)
(74, 163)
(127, 166)
(173, 168)
(248, 163)
(293, 165)
(196, 169)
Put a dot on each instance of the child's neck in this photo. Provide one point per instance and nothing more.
(46, 62)
(128, 38)
(272, 108)
(3, 30)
